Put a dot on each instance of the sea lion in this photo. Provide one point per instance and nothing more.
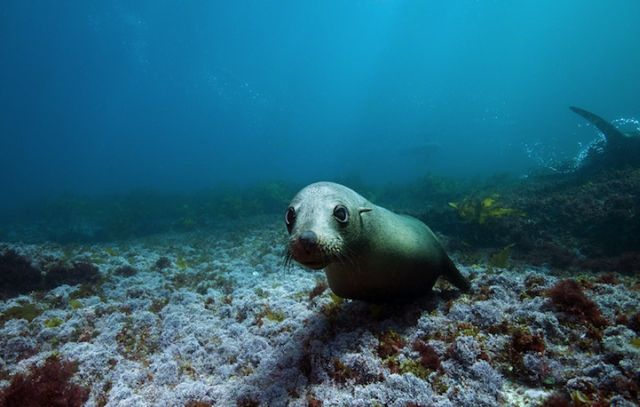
(618, 149)
(368, 252)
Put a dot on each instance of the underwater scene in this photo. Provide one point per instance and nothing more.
(320, 203)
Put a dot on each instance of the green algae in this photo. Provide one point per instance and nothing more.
(136, 343)
(75, 304)
(331, 310)
(27, 311)
(270, 314)
(276, 316)
(335, 299)
(480, 210)
(415, 368)
(158, 304)
(88, 290)
(261, 293)
(181, 263)
(53, 322)
(501, 258)
(389, 344)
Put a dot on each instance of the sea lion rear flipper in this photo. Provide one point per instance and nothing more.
(610, 132)
(455, 277)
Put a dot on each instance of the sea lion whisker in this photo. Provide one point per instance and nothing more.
(347, 259)
(286, 259)
(350, 253)
(342, 258)
(352, 263)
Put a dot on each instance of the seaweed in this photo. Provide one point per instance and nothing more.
(523, 341)
(501, 258)
(557, 400)
(330, 310)
(53, 322)
(340, 372)
(389, 344)
(429, 359)
(86, 290)
(198, 403)
(27, 311)
(46, 385)
(247, 401)
(181, 263)
(415, 368)
(17, 275)
(634, 322)
(162, 263)
(319, 288)
(480, 210)
(270, 314)
(568, 297)
(125, 271)
(136, 343)
(158, 304)
(78, 273)
(312, 401)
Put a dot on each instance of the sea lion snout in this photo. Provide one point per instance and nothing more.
(308, 240)
(304, 244)
(305, 249)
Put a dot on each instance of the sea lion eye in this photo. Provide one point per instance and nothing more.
(290, 216)
(341, 214)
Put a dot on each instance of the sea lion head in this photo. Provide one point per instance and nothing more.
(323, 220)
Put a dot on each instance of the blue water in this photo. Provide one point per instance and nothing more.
(149, 150)
(99, 97)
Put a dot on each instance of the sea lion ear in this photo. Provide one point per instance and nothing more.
(362, 209)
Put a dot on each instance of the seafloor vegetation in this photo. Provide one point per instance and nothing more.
(177, 299)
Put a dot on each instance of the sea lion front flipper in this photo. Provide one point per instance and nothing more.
(610, 132)
(455, 277)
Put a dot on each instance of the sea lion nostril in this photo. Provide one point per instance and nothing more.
(309, 239)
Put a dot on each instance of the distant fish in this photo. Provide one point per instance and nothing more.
(619, 149)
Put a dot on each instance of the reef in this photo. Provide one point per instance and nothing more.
(567, 221)
(211, 317)
(184, 300)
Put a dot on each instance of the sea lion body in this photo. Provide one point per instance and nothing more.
(374, 255)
